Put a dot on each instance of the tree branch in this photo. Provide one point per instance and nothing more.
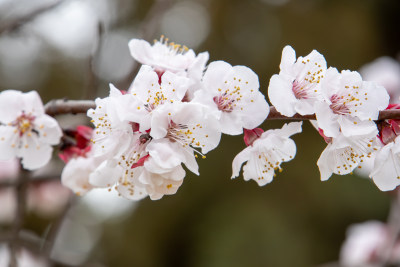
(63, 106)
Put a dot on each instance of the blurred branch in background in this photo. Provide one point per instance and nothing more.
(16, 23)
(93, 81)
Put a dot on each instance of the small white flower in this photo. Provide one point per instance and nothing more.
(350, 104)
(148, 91)
(164, 56)
(184, 129)
(232, 93)
(25, 130)
(297, 87)
(266, 154)
(344, 154)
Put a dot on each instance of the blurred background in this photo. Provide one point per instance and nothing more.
(213, 221)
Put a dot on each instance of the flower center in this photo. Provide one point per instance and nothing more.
(24, 123)
(299, 90)
(338, 105)
(185, 135)
(224, 102)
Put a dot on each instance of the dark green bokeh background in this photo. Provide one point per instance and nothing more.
(297, 220)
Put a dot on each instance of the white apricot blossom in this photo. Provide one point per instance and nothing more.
(343, 154)
(232, 94)
(148, 91)
(350, 105)
(298, 85)
(184, 129)
(26, 131)
(266, 154)
(168, 56)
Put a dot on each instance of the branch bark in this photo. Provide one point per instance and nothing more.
(63, 106)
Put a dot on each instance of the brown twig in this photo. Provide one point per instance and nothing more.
(63, 106)
(18, 22)
(60, 106)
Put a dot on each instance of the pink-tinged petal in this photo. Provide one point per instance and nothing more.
(34, 154)
(386, 170)
(49, 130)
(9, 142)
(238, 161)
(281, 95)
(288, 59)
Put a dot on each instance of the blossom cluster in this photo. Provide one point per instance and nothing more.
(346, 108)
(144, 139)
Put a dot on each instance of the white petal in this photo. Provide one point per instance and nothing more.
(254, 113)
(281, 95)
(325, 163)
(386, 169)
(326, 119)
(9, 141)
(107, 174)
(34, 154)
(240, 158)
(49, 130)
(75, 175)
(10, 105)
(288, 59)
